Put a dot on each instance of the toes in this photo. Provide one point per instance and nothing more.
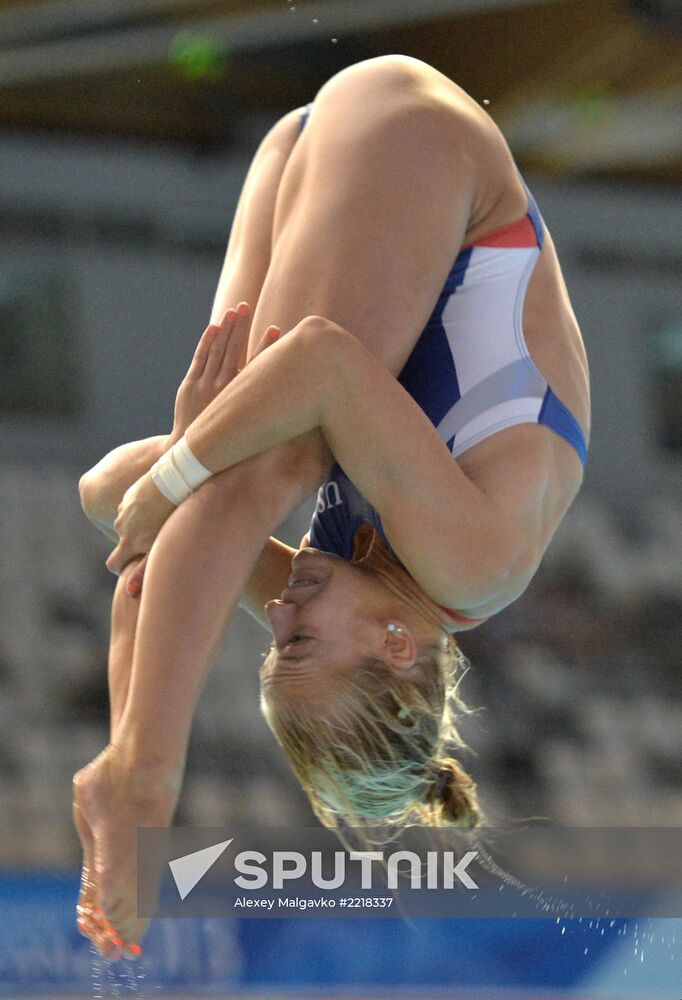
(105, 938)
(86, 925)
(88, 897)
(114, 943)
(120, 924)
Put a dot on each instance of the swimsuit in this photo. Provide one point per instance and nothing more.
(470, 370)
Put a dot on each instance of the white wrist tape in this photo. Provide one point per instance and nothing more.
(189, 467)
(178, 473)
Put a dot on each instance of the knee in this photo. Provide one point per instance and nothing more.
(88, 491)
(387, 75)
(83, 490)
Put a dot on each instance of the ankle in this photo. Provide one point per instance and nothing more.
(148, 778)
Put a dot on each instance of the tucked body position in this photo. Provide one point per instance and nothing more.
(410, 351)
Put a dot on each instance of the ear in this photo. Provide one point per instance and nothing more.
(399, 648)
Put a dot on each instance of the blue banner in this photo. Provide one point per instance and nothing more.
(42, 951)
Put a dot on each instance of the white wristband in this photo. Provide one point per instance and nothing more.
(189, 467)
(178, 473)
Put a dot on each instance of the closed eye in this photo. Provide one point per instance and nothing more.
(295, 640)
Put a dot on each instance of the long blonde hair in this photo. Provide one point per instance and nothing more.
(378, 751)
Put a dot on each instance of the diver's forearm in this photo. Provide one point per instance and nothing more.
(196, 573)
(275, 399)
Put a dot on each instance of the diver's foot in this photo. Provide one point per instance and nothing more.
(88, 896)
(111, 800)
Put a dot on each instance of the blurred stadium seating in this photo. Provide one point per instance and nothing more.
(577, 683)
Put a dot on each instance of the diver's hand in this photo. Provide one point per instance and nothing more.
(134, 581)
(141, 515)
(219, 357)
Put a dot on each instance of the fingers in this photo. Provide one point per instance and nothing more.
(112, 562)
(270, 337)
(237, 325)
(216, 350)
(120, 557)
(134, 583)
(196, 368)
(232, 330)
(225, 349)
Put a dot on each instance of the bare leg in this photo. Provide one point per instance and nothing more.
(124, 615)
(248, 251)
(373, 206)
(245, 265)
(211, 545)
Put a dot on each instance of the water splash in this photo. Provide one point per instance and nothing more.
(118, 979)
(643, 932)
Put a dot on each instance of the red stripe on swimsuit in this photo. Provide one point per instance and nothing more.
(459, 617)
(517, 234)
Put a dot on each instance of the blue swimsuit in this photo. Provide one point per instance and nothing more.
(470, 370)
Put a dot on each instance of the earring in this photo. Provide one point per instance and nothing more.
(395, 628)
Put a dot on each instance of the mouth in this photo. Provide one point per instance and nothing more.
(305, 577)
(298, 586)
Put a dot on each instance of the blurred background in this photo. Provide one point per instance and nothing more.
(126, 130)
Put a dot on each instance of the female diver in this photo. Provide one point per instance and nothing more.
(426, 320)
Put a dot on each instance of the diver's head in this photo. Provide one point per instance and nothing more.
(359, 689)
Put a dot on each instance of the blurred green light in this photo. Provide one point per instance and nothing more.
(592, 104)
(198, 56)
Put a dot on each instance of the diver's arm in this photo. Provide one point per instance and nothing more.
(463, 547)
(455, 540)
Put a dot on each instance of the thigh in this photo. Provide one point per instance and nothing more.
(247, 257)
(372, 209)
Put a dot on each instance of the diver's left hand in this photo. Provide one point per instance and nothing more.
(141, 515)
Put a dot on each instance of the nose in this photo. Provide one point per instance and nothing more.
(282, 618)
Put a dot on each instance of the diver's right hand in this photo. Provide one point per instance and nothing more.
(218, 358)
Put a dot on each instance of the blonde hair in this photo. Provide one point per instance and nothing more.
(376, 752)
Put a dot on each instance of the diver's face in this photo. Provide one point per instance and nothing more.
(330, 613)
